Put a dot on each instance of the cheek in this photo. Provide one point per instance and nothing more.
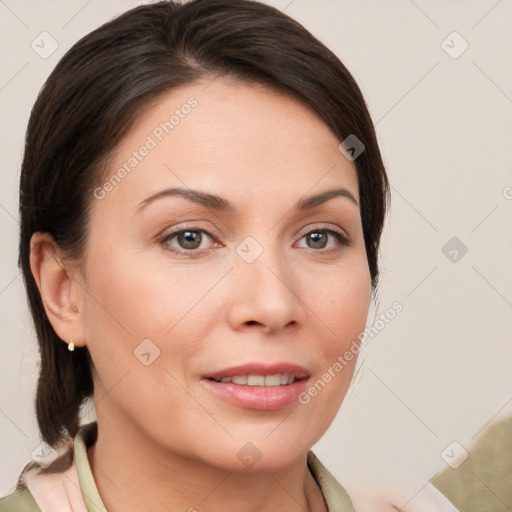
(130, 299)
(353, 303)
(135, 308)
(342, 304)
(342, 309)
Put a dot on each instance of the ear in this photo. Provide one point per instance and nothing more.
(61, 292)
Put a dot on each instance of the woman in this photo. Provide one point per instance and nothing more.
(202, 198)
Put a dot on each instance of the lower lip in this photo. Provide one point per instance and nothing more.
(261, 398)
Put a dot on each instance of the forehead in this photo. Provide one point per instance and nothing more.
(232, 139)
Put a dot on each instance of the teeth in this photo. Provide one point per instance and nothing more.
(255, 380)
(273, 380)
(260, 380)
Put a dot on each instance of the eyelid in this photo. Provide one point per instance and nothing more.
(190, 226)
(324, 227)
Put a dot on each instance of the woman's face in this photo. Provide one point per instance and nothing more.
(261, 274)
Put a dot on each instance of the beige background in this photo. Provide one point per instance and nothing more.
(440, 371)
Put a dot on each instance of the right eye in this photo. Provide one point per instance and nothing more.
(189, 241)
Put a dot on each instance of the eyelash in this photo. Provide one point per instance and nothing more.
(342, 239)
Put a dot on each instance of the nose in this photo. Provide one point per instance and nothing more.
(265, 294)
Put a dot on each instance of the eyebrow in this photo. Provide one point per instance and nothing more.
(220, 204)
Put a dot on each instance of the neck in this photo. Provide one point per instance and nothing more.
(131, 473)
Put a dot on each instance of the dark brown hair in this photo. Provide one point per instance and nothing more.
(106, 80)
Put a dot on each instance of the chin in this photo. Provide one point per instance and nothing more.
(265, 453)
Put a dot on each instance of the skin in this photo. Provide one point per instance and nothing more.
(162, 434)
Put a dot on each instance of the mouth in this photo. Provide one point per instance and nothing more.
(257, 386)
(260, 380)
(259, 374)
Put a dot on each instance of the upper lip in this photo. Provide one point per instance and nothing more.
(299, 372)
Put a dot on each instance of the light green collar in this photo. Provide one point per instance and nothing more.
(86, 437)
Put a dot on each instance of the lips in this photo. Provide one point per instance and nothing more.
(258, 369)
(258, 386)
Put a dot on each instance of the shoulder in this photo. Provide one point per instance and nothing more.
(487, 465)
(20, 500)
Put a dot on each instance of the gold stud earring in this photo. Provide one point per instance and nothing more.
(71, 346)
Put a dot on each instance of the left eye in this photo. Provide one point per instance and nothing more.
(318, 239)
